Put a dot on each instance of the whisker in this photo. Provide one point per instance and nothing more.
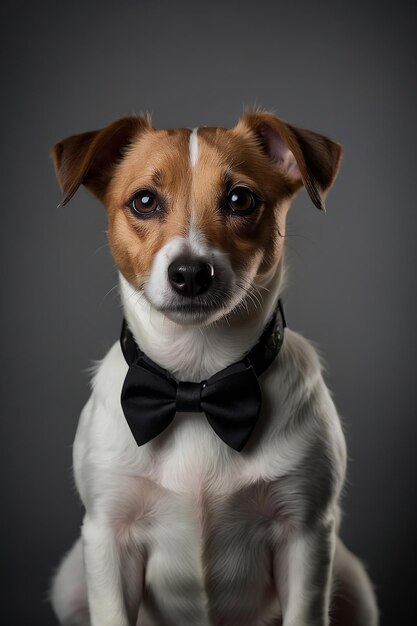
(107, 294)
(105, 245)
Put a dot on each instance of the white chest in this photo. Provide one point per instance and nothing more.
(203, 525)
(196, 508)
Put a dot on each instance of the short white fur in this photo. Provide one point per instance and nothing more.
(193, 147)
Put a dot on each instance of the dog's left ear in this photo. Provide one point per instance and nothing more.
(89, 158)
(304, 157)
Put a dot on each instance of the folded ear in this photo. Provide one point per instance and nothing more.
(303, 156)
(88, 159)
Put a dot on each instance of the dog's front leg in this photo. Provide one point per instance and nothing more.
(302, 569)
(105, 584)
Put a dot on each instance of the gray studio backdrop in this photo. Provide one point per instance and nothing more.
(343, 69)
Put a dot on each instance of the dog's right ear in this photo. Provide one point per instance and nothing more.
(89, 159)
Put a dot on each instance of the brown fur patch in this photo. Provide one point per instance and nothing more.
(160, 161)
(246, 239)
(157, 161)
(129, 155)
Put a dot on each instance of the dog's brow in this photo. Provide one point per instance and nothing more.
(227, 178)
(157, 178)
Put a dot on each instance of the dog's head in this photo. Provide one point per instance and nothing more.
(196, 219)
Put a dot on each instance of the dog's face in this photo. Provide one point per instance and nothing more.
(197, 218)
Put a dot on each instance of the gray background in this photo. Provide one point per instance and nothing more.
(345, 69)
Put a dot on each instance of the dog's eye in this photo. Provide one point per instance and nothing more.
(242, 200)
(144, 202)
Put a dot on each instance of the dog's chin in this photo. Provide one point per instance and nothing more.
(193, 314)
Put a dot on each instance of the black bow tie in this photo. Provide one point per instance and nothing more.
(231, 399)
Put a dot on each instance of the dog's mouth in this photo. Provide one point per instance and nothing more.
(203, 309)
(195, 310)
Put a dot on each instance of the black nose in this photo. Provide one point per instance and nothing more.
(190, 277)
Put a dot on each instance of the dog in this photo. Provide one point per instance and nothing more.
(209, 458)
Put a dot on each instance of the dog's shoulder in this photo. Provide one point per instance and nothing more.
(300, 427)
(107, 379)
(109, 373)
(295, 376)
(300, 401)
(299, 358)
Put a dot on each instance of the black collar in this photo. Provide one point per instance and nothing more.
(259, 357)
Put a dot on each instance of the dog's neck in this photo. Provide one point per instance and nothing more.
(194, 353)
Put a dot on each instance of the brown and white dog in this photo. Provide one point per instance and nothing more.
(184, 530)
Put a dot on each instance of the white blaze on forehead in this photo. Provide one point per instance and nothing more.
(193, 145)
